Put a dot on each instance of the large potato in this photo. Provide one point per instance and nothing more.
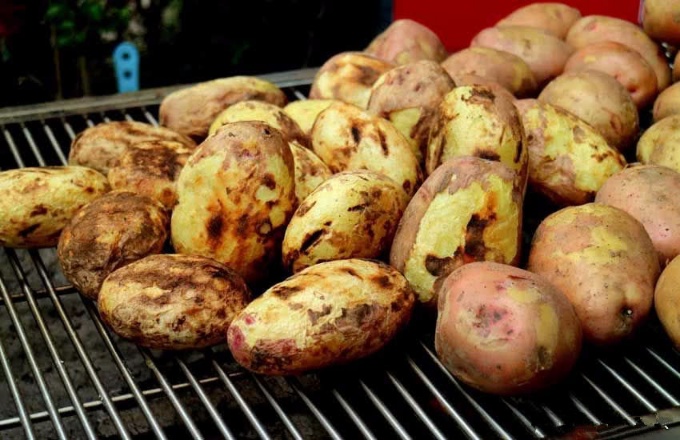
(310, 171)
(109, 233)
(651, 194)
(408, 97)
(348, 77)
(667, 301)
(100, 147)
(406, 41)
(597, 28)
(348, 138)
(508, 70)
(351, 215)
(37, 203)
(568, 160)
(545, 54)
(555, 18)
(661, 20)
(172, 302)
(328, 314)
(236, 195)
(599, 100)
(667, 103)
(606, 264)
(469, 209)
(621, 62)
(504, 330)
(191, 110)
(663, 135)
(305, 111)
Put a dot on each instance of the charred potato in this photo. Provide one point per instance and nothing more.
(406, 41)
(310, 171)
(305, 111)
(554, 18)
(660, 20)
(666, 300)
(667, 103)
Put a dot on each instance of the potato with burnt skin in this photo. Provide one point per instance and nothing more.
(667, 103)
(406, 41)
(660, 144)
(310, 171)
(328, 314)
(172, 302)
(667, 301)
(469, 209)
(109, 233)
(504, 330)
(37, 203)
(305, 111)
(554, 18)
(604, 261)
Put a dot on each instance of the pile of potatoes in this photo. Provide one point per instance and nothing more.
(405, 184)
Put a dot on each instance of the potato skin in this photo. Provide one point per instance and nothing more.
(305, 111)
(350, 215)
(101, 146)
(606, 264)
(666, 300)
(504, 330)
(475, 80)
(660, 20)
(469, 209)
(310, 171)
(37, 203)
(406, 41)
(667, 103)
(172, 302)
(328, 314)
(663, 135)
(191, 110)
(568, 160)
(554, 18)
(108, 233)
(236, 195)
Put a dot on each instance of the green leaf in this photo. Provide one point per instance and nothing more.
(55, 11)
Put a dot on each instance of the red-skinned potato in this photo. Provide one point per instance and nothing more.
(555, 18)
(406, 41)
(660, 20)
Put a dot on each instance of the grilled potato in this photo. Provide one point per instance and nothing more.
(310, 171)
(305, 111)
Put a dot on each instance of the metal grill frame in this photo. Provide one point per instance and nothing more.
(403, 392)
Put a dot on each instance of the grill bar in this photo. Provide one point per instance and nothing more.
(658, 388)
(18, 400)
(418, 410)
(277, 408)
(399, 429)
(610, 401)
(365, 430)
(330, 429)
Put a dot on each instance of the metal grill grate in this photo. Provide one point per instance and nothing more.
(66, 376)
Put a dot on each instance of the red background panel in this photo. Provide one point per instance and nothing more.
(456, 22)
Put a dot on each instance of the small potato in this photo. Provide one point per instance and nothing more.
(554, 18)
(469, 209)
(347, 138)
(504, 330)
(191, 110)
(151, 168)
(305, 111)
(619, 61)
(661, 20)
(351, 215)
(37, 203)
(236, 196)
(664, 135)
(606, 264)
(172, 302)
(597, 28)
(545, 54)
(568, 160)
(310, 171)
(600, 101)
(667, 103)
(348, 77)
(474, 80)
(667, 301)
(109, 233)
(406, 41)
(101, 146)
(328, 314)
(264, 112)
(505, 68)
(651, 194)
(408, 97)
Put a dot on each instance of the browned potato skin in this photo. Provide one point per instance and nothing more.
(545, 54)
(604, 261)
(597, 28)
(348, 77)
(172, 302)
(329, 314)
(667, 300)
(651, 194)
(109, 233)
(475, 80)
(504, 330)
(310, 171)
(598, 99)
(101, 146)
(667, 103)
(661, 21)
(555, 18)
(406, 41)
(627, 66)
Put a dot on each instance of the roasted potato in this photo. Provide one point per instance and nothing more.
(664, 135)
(667, 103)
(305, 111)
(348, 77)
(408, 97)
(660, 20)
(667, 301)
(351, 215)
(554, 18)
(37, 203)
(406, 41)
(101, 146)
(310, 171)
(599, 100)
(606, 264)
(191, 110)
(172, 302)
(568, 160)
(108, 233)
(504, 330)
(328, 314)
(469, 209)
(236, 196)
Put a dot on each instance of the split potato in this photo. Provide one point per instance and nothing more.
(661, 21)
(554, 18)
(666, 300)
(407, 41)
(310, 171)
(667, 103)
(305, 111)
